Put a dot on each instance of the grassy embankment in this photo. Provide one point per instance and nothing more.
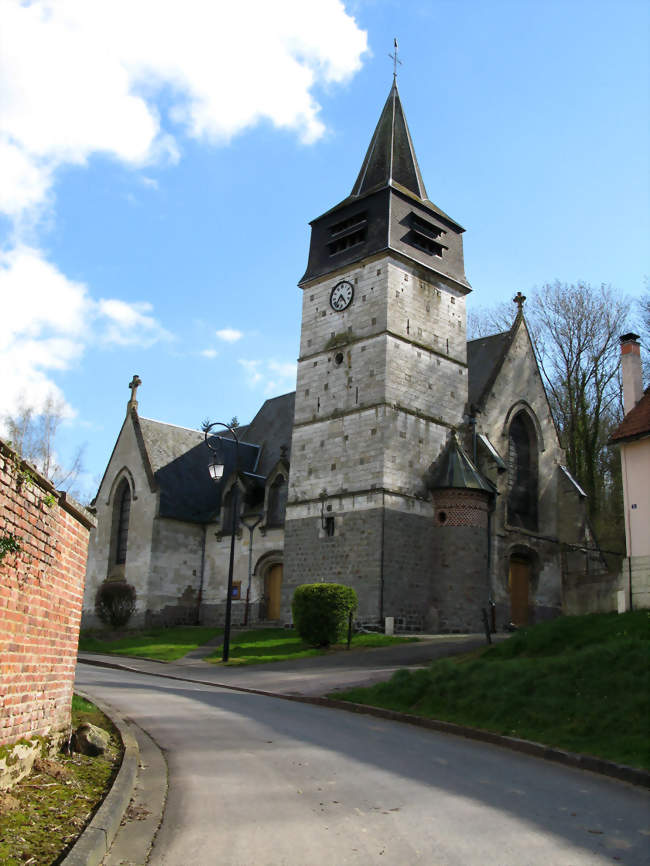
(577, 683)
(44, 813)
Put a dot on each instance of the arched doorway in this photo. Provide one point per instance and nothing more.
(519, 581)
(273, 591)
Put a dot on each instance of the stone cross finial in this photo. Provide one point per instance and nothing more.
(519, 301)
(134, 384)
(395, 59)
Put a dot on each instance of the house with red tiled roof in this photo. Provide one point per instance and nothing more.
(633, 438)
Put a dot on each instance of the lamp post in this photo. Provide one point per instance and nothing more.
(216, 469)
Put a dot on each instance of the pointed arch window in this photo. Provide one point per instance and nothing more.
(522, 473)
(277, 501)
(123, 513)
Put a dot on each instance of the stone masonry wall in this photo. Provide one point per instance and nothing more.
(408, 569)
(352, 556)
(41, 592)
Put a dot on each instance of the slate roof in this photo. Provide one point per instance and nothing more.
(179, 461)
(484, 357)
(271, 428)
(636, 423)
(391, 155)
(178, 458)
(390, 159)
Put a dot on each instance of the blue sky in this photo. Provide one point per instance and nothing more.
(160, 163)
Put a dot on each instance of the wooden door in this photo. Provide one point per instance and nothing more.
(519, 581)
(273, 592)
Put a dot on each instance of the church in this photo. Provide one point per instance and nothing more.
(421, 469)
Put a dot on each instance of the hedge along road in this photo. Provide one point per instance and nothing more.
(264, 781)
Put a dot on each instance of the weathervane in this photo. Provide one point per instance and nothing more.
(395, 59)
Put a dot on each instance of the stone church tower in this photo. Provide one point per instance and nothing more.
(382, 380)
(421, 470)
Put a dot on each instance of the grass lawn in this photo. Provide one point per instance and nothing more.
(259, 646)
(578, 683)
(164, 644)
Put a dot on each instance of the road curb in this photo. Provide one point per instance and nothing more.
(620, 772)
(93, 844)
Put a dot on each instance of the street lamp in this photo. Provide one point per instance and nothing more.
(216, 469)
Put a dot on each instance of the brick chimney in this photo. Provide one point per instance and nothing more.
(631, 371)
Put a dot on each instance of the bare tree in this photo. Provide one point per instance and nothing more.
(575, 331)
(643, 305)
(33, 436)
(485, 321)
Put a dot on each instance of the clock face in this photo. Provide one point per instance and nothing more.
(341, 296)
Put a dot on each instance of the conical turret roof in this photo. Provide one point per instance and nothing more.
(456, 470)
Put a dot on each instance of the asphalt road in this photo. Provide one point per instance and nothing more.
(260, 781)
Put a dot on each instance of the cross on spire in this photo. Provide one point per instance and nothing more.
(519, 301)
(395, 59)
(134, 384)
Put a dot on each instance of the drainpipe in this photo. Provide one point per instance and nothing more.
(381, 571)
(491, 507)
(199, 601)
(251, 528)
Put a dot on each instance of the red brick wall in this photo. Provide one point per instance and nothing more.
(41, 591)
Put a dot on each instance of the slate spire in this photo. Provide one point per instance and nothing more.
(391, 160)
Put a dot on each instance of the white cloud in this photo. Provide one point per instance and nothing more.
(230, 335)
(129, 324)
(275, 377)
(252, 368)
(209, 353)
(81, 78)
(48, 322)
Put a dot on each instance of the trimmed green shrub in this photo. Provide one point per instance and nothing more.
(321, 610)
(115, 602)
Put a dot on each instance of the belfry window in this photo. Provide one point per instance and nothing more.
(348, 233)
(123, 500)
(425, 236)
(522, 473)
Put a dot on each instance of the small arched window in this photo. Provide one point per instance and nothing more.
(277, 501)
(123, 512)
(522, 473)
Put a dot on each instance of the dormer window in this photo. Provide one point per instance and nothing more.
(348, 233)
(425, 235)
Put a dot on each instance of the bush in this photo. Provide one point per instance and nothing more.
(115, 602)
(321, 610)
